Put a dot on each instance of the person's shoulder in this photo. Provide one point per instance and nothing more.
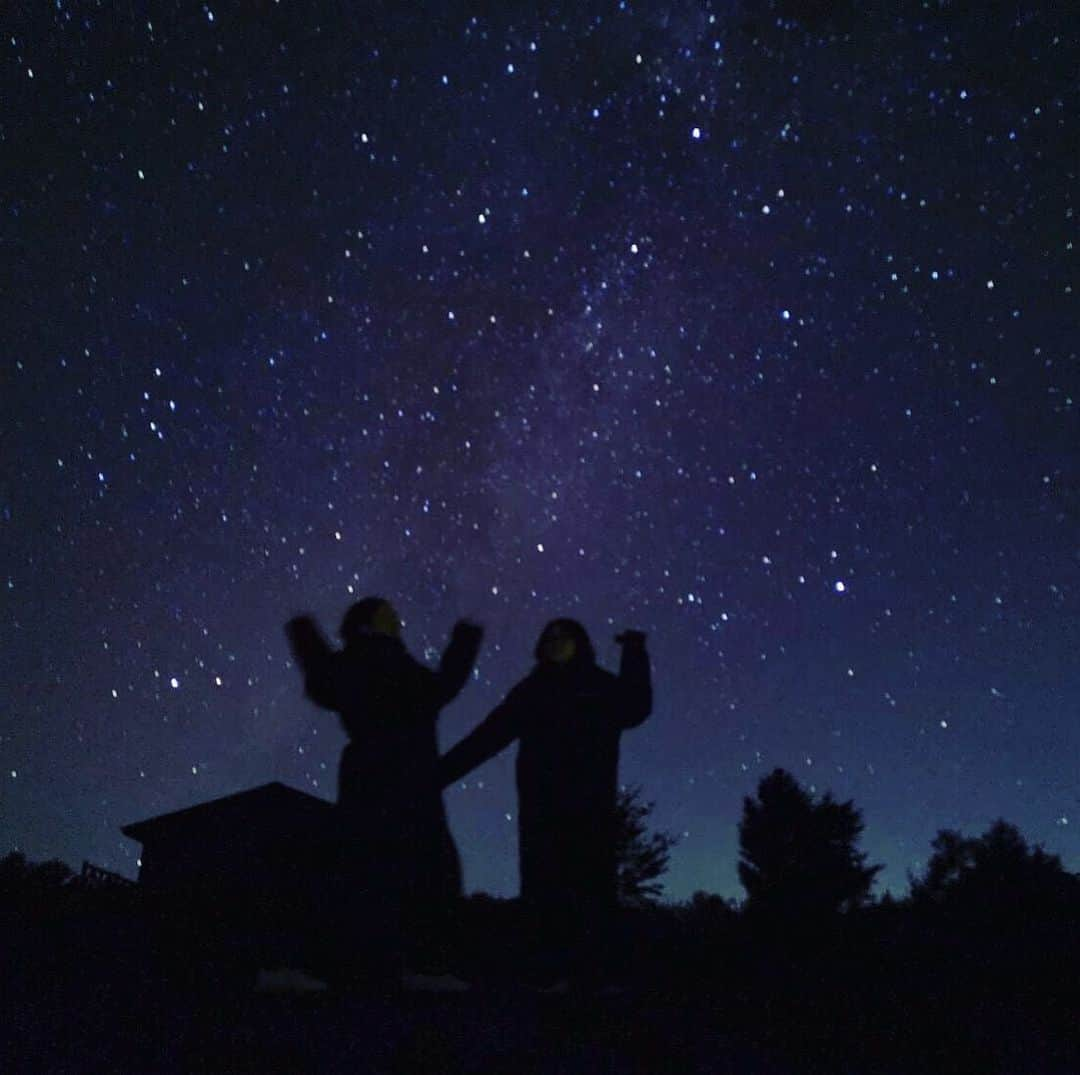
(605, 685)
(531, 684)
(601, 676)
(528, 682)
(400, 662)
(334, 660)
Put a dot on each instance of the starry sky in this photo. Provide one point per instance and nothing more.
(748, 325)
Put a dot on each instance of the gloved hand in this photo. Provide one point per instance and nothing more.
(300, 629)
(631, 638)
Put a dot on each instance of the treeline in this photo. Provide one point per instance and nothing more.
(799, 862)
(799, 858)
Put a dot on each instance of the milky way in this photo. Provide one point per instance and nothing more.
(749, 326)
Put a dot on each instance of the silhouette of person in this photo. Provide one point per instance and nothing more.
(568, 715)
(398, 852)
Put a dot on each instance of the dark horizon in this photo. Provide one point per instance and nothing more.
(753, 330)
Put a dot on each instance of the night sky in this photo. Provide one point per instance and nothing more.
(751, 326)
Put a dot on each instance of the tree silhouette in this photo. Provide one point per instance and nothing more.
(992, 871)
(641, 856)
(19, 877)
(798, 856)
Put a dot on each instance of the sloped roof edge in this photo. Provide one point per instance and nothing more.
(272, 797)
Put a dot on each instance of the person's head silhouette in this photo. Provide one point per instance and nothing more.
(370, 616)
(564, 642)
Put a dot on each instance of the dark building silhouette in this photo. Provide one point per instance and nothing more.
(266, 842)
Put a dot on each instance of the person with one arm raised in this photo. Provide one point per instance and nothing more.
(567, 715)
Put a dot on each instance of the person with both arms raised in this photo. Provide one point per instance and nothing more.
(399, 870)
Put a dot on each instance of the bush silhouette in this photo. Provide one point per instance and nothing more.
(798, 857)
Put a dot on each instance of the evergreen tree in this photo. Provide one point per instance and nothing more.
(798, 856)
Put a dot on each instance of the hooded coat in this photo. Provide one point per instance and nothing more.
(567, 719)
(388, 796)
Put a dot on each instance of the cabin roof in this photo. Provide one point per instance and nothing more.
(274, 807)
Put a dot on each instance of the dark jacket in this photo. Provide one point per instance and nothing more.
(568, 720)
(388, 794)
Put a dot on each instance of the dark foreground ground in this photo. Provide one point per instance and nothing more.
(472, 1033)
(109, 1029)
(104, 992)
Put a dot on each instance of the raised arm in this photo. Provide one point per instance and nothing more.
(501, 727)
(316, 658)
(635, 680)
(457, 662)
